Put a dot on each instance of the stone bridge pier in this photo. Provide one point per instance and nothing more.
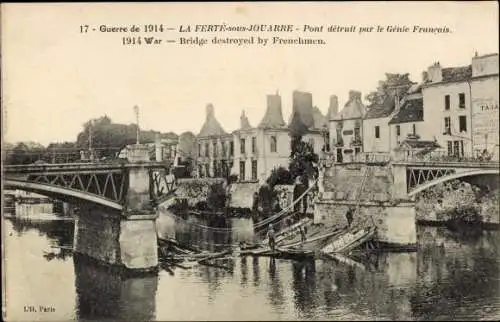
(122, 238)
(381, 198)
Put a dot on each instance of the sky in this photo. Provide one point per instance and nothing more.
(55, 78)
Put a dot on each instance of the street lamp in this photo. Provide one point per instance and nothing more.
(136, 111)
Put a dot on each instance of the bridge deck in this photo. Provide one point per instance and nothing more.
(61, 167)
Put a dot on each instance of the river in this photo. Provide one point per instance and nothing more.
(452, 276)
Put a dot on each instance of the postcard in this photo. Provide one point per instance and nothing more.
(250, 161)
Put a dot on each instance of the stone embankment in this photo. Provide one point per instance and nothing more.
(438, 203)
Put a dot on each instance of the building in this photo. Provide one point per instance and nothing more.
(346, 129)
(376, 131)
(447, 100)
(260, 149)
(407, 130)
(484, 97)
(215, 148)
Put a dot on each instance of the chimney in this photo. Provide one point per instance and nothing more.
(333, 109)
(210, 111)
(244, 123)
(425, 77)
(434, 73)
(302, 104)
(354, 95)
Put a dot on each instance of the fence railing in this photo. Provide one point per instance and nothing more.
(445, 157)
(62, 155)
(406, 156)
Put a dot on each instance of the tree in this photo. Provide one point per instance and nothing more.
(392, 85)
(302, 154)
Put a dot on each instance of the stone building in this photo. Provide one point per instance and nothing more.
(215, 148)
(407, 130)
(260, 149)
(376, 131)
(346, 129)
(485, 112)
(447, 101)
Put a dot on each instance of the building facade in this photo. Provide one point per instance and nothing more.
(376, 131)
(346, 129)
(260, 149)
(447, 100)
(485, 111)
(215, 148)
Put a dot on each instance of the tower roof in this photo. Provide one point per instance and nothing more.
(211, 127)
(274, 116)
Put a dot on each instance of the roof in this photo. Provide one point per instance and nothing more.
(319, 119)
(381, 110)
(457, 74)
(411, 111)
(244, 123)
(420, 144)
(211, 127)
(353, 109)
(273, 117)
(415, 144)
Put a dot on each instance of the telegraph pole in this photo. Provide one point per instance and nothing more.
(136, 111)
(91, 155)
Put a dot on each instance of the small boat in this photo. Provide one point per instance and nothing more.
(349, 240)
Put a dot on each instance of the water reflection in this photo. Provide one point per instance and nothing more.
(453, 275)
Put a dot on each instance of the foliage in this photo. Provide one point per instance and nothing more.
(302, 154)
(232, 179)
(185, 168)
(267, 197)
(25, 153)
(279, 176)
(216, 199)
(302, 161)
(386, 88)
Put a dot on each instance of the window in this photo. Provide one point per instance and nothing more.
(377, 131)
(398, 130)
(231, 148)
(242, 146)
(462, 121)
(200, 171)
(462, 148)
(447, 125)
(357, 150)
(216, 169)
(215, 149)
(206, 149)
(254, 144)
(450, 148)
(207, 170)
(274, 144)
(456, 148)
(339, 155)
(242, 170)
(357, 136)
(199, 150)
(447, 102)
(461, 100)
(414, 129)
(254, 169)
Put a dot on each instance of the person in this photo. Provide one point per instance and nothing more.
(271, 236)
(302, 234)
(255, 204)
(349, 216)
